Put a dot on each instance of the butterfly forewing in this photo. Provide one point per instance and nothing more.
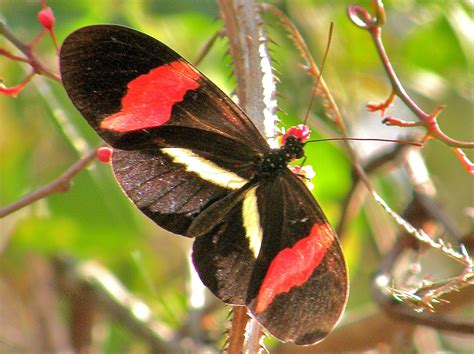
(140, 96)
(128, 86)
(162, 189)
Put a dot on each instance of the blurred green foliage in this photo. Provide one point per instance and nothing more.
(428, 44)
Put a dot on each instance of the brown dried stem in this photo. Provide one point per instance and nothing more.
(402, 310)
(207, 47)
(236, 333)
(422, 211)
(322, 89)
(353, 199)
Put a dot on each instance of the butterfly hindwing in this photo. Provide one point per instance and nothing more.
(283, 261)
(224, 259)
(299, 288)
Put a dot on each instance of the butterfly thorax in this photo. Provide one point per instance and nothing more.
(277, 160)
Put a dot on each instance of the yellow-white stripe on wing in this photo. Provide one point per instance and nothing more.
(205, 169)
(251, 220)
(209, 171)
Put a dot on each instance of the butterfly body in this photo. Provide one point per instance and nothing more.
(191, 160)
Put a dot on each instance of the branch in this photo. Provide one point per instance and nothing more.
(322, 89)
(399, 303)
(59, 185)
(46, 19)
(38, 67)
(373, 25)
(252, 64)
(351, 204)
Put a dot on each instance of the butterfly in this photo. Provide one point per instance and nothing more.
(192, 161)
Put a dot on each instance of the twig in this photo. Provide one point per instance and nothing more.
(207, 47)
(322, 90)
(27, 50)
(384, 328)
(425, 191)
(401, 311)
(410, 230)
(361, 332)
(422, 208)
(420, 212)
(373, 25)
(237, 330)
(254, 338)
(59, 185)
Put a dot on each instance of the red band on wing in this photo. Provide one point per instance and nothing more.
(293, 266)
(150, 97)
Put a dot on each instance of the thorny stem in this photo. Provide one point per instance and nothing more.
(464, 279)
(27, 50)
(421, 212)
(355, 196)
(400, 310)
(207, 47)
(322, 90)
(419, 235)
(362, 19)
(255, 89)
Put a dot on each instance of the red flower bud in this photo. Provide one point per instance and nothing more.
(46, 18)
(104, 154)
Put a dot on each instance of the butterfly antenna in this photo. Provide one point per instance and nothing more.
(402, 142)
(313, 96)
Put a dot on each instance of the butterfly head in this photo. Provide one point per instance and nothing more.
(293, 148)
(302, 132)
(293, 141)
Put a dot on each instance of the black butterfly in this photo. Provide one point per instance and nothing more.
(191, 160)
